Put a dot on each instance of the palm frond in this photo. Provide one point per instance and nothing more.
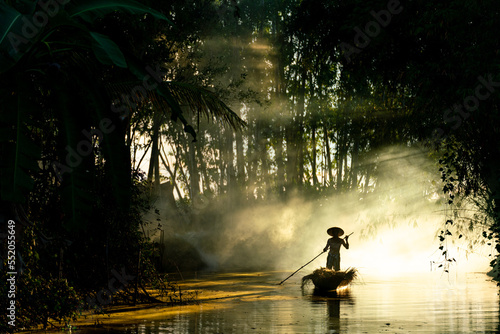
(187, 97)
(12, 42)
(106, 51)
(205, 102)
(10, 17)
(88, 10)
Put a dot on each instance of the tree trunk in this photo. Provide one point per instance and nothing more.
(355, 161)
(240, 160)
(194, 179)
(301, 129)
(328, 157)
(314, 155)
(291, 152)
(154, 170)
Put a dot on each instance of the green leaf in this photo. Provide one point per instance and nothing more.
(89, 10)
(13, 42)
(9, 18)
(107, 51)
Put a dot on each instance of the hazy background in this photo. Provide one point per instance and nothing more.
(396, 226)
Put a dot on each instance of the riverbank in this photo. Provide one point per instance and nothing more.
(200, 294)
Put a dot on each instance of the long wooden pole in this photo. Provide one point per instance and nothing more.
(304, 265)
(300, 268)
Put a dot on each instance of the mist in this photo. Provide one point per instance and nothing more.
(397, 215)
(396, 225)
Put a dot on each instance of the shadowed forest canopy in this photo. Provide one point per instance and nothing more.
(124, 122)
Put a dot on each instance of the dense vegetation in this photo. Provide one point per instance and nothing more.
(312, 91)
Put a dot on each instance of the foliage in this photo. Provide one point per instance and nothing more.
(440, 59)
(41, 301)
(316, 114)
(41, 297)
(67, 178)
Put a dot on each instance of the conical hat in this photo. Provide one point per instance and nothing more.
(334, 231)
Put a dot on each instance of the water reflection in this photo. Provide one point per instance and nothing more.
(254, 303)
(335, 302)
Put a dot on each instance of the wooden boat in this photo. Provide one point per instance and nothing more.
(326, 279)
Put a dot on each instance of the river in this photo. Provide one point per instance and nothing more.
(434, 302)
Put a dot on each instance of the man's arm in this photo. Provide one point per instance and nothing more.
(345, 242)
(326, 247)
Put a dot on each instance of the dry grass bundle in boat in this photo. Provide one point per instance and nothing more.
(327, 279)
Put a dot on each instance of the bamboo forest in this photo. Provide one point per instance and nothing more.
(149, 147)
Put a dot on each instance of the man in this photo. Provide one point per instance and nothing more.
(334, 243)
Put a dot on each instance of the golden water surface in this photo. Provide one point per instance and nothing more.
(254, 303)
